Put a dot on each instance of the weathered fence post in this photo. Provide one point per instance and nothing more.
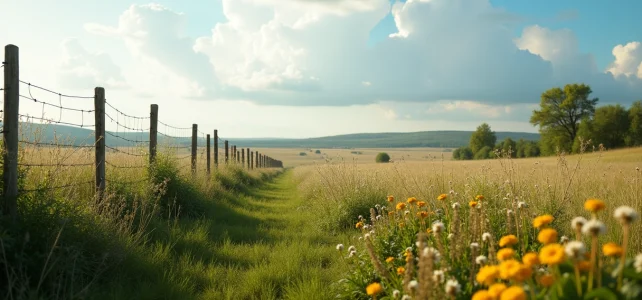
(215, 148)
(256, 160)
(248, 158)
(242, 158)
(252, 160)
(234, 153)
(153, 132)
(99, 113)
(227, 152)
(208, 154)
(10, 131)
(238, 156)
(194, 145)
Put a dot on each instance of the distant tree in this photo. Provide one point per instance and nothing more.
(611, 126)
(484, 153)
(382, 157)
(466, 153)
(302, 154)
(457, 154)
(482, 137)
(560, 114)
(509, 145)
(317, 152)
(531, 149)
(519, 148)
(634, 136)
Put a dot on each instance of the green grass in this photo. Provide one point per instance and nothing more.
(259, 244)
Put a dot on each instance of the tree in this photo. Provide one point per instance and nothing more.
(482, 137)
(509, 145)
(484, 153)
(463, 153)
(634, 137)
(382, 157)
(611, 126)
(560, 113)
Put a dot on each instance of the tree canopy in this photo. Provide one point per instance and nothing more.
(482, 137)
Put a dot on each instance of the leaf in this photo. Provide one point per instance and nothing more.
(601, 294)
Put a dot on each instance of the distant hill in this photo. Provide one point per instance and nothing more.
(450, 139)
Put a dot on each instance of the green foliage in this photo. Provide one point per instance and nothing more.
(508, 145)
(561, 111)
(317, 152)
(463, 153)
(302, 154)
(482, 137)
(382, 157)
(634, 137)
(484, 153)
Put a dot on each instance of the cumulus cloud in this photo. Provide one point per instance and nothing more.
(81, 69)
(628, 60)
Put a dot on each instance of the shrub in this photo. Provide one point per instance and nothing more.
(317, 152)
(484, 153)
(382, 157)
(302, 154)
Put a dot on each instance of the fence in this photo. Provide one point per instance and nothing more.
(136, 137)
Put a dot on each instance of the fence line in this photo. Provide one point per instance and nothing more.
(137, 137)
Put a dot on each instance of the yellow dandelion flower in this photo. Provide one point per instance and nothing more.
(483, 295)
(412, 200)
(374, 289)
(359, 225)
(422, 214)
(472, 203)
(612, 249)
(496, 289)
(525, 272)
(390, 259)
(547, 236)
(421, 203)
(508, 240)
(487, 275)
(546, 280)
(428, 231)
(505, 254)
(594, 205)
(401, 206)
(391, 213)
(542, 221)
(513, 293)
(401, 270)
(442, 197)
(391, 198)
(530, 259)
(509, 269)
(479, 197)
(552, 254)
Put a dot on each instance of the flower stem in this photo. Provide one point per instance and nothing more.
(593, 254)
(578, 280)
(623, 258)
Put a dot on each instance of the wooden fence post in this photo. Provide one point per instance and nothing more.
(234, 153)
(194, 145)
(256, 160)
(207, 140)
(238, 156)
(242, 158)
(227, 152)
(153, 132)
(248, 158)
(252, 160)
(10, 131)
(215, 148)
(99, 113)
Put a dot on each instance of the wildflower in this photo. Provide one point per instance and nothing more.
(428, 231)
(391, 198)
(391, 213)
(505, 254)
(412, 200)
(547, 236)
(577, 223)
(401, 206)
(379, 217)
(374, 289)
(564, 239)
(366, 227)
(496, 289)
(340, 247)
(438, 227)
(509, 212)
(352, 253)
(402, 224)
(401, 270)
(486, 237)
(442, 197)
(359, 225)
(352, 248)
(638, 263)
(406, 297)
(421, 203)
(483, 295)
(451, 236)
(625, 214)
(413, 285)
(481, 260)
(509, 269)
(367, 236)
(575, 250)
(593, 227)
(432, 253)
(479, 197)
(584, 265)
(472, 203)
(542, 221)
(546, 280)
(530, 259)
(513, 293)
(438, 276)
(487, 275)
(612, 249)
(522, 205)
(452, 287)
(594, 205)
(390, 259)
(396, 294)
(508, 240)
(552, 254)
(456, 205)
(406, 212)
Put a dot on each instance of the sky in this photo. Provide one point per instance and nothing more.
(308, 68)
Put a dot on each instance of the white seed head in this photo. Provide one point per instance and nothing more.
(396, 294)
(340, 247)
(379, 217)
(564, 239)
(409, 249)
(593, 227)
(486, 237)
(352, 253)
(575, 250)
(481, 260)
(509, 212)
(413, 285)
(456, 205)
(452, 287)
(474, 246)
(522, 205)
(406, 297)
(366, 227)
(437, 227)
(638, 263)
(451, 236)
(626, 214)
(438, 276)
(432, 253)
(366, 236)
(406, 212)
(578, 223)
(352, 248)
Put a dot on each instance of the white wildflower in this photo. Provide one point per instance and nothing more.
(406, 297)
(593, 227)
(379, 217)
(522, 205)
(486, 237)
(396, 294)
(452, 287)
(413, 285)
(456, 205)
(367, 236)
(432, 253)
(366, 227)
(564, 239)
(625, 214)
(438, 276)
(474, 246)
(340, 247)
(481, 260)
(409, 249)
(437, 227)
(352, 253)
(638, 263)
(575, 250)
(406, 212)
(578, 223)
(352, 248)
(509, 212)
(451, 236)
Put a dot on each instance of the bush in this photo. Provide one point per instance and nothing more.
(317, 152)
(302, 154)
(484, 153)
(463, 153)
(382, 157)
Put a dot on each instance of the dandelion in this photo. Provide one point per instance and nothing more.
(451, 236)
(576, 224)
(496, 290)
(472, 203)
(625, 214)
(406, 297)
(575, 250)
(432, 253)
(422, 214)
(442, 197)
(359, 225)
(638, 263)
(564, 239)
(542, 221)
(405, 213)
(547, 236)
(391, 198)
(525, 272)
(593, 227)
(352, 253)
(438, 276)
(505, 254)
(513, 293)
(486, 237)
(401, 270)
(487, 275)
(340, 247)
(594, 205)
(530, 259)
(481, 260)
(411, 200)
(452, 288)
(390, 259)
(412, 285)
(396, 294)
(373, 289)
(584, 265)
(483, 295)
(479, 197)
(552, 254)
(401, 206)
(508, 240)
(456, 205)
(421, 204)
(474, 246)
(352, 248)
(612, 250)
(509, 269)
(546, 280)
(438, 227)
(522, 205)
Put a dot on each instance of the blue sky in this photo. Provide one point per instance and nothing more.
(289, 66)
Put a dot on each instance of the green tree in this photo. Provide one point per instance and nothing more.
(509, 145)
(463, 153)
(382, 157)
(611, 126)
(531, 149)
(484, 153)
(634, 137)
(482, 137)
(560, 112)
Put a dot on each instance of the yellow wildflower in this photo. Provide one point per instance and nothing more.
(525, 272)
(513, 293)
(487, 275)
(479, 197)
(509, 269)
(442, 197)
(402, 224)
(542, 221)
(546, 280)
(401, 206)
(401, 270)
(594, 205)
(496, 289)
(552, 254)
(359, 225)
(472, 203)
(530, 259)
(422, 214)
(391, 198)
(391, 213)
(374, 289)
(508, 240)
(411, 200)
(421, 203)
(584, 265)
(612, 249)
(547, 236)
(505, 254)
(390, 259)
(483, 295)
(428, 231)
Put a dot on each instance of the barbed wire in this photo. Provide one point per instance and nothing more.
(125, 152)
(124, 114)
(55, 144)
(173, 127)
(56, 165)
(125, 126)
(125, 139)
(54, 105)
(126, 182)
(125, 167)
(56, 187)
(56, 122)
(56, 93)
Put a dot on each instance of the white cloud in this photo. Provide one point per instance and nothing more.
(81, 69)
(628, 60)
